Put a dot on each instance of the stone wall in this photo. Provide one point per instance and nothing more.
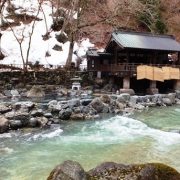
(53, 77)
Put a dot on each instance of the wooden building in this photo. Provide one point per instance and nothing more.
(127, 53)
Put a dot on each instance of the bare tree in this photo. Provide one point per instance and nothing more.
(88, 15)
(25, 59)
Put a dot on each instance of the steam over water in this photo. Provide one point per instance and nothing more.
(145, 137)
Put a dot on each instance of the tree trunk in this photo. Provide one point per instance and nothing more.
(70, 54)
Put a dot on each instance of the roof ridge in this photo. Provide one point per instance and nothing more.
(144, 34)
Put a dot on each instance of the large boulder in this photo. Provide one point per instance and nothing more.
(105, 99)
(77, 117)
(4, 109)
(15, 124)
(69, 170)
(37, 113)
(133, 101)
(123, 98)
(4, 124)
(18, 115)
(24, 105)
(97, 104)
(33, 122)
(15, 93)
(128, 91)
(73, 103)
(150, 171)
(177, 94)
(65, 114)
(167, 101)
(36, 91)
(62, 92)
(41, 121)
(120, 106)
(172, 97)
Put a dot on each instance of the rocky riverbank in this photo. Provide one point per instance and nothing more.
(70, 170)
(73, 105)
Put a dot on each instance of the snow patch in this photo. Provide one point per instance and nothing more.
(39, 48)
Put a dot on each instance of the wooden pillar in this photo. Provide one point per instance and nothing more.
(126, 86)
(152, 84)
(152, 88)
(178, 58)
(99, 74)
(177, 85)
(116, 55)
(126, 82)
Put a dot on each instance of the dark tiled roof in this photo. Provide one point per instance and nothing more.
(145, 41)
(92, 52)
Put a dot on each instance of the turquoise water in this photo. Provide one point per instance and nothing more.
(143, 137)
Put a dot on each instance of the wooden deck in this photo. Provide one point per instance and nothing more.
(125, 67)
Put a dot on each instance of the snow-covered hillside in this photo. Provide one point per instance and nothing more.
(39, 47)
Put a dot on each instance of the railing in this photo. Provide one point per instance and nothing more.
(19, 67)
(127, 67)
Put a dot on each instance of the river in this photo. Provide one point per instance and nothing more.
(149, 136)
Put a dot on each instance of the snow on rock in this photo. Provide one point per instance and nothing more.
(39, 47)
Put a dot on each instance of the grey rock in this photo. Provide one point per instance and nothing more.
(127, 91)
(149, 171)
(172, 97)
(105, 99)
(26, 105)
(62, 91)
(73, 93)
(68, 170)
(105, 108)
(48, 115)
(123, 98)
(36, 91)
(57, 48)
(33, 122)
(7, 93)
(2, 96)
(89, 92)
(37, 113)
(85, 109)
(15, 124)
(65, 114)
(133, 101)
(85, 102)
(52, 103)
(42, 121)
(77, 110)
(97, 116)
(88, 117)
(178, 102)
(73, 103)
(120, 105)
(167, 101)
(118, 111)
(139, 107)
(15, 93)
(79, 116)
(4, 124)
(4, 108)
(97, 104)
(18, 115)
(177, 94)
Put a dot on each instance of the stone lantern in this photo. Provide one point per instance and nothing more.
(76, 85)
